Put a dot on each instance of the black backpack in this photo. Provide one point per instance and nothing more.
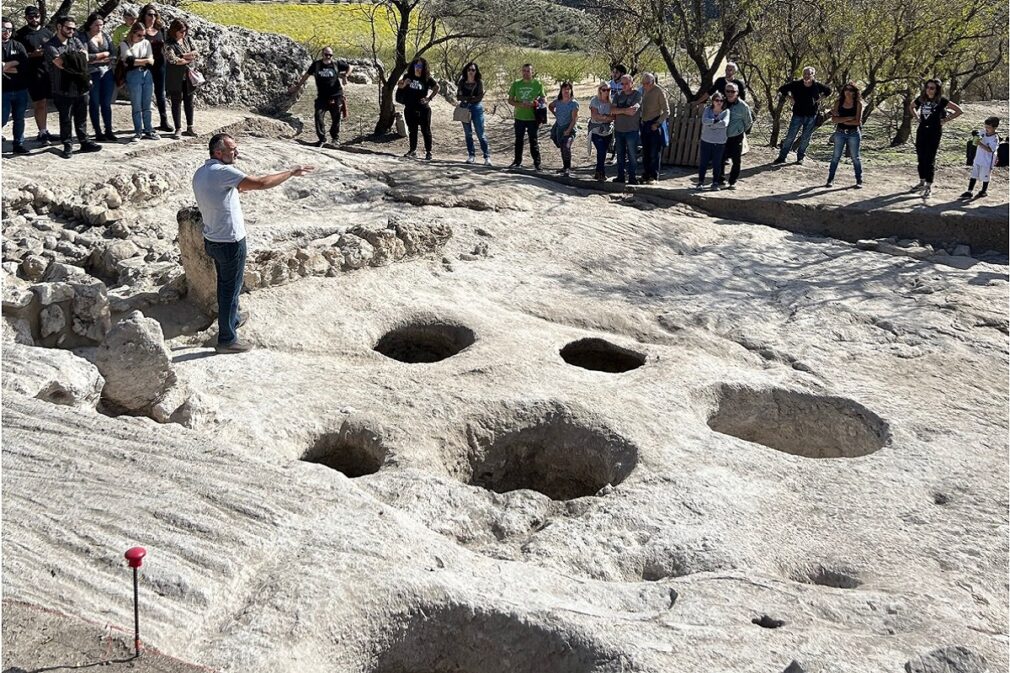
(1001, 154)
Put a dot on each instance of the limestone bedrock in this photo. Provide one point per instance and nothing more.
(406, 474)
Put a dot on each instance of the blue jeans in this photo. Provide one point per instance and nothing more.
(627, 147)
(711, 153)
(851, 138)
(797, 122)
(229, 262)
(103, 91)
(15, 103)
(140, 85)
(476, 123)
(601, 143)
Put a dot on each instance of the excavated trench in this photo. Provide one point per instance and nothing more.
(800, 423)
(353, 450)
(467, 639)
(547, 449)
(420, 342)
(601, 356)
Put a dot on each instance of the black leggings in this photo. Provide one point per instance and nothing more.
(182, 99)
(419, 116)
(927, 144)
(158, 77)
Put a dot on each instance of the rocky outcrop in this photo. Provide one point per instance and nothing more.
(56, 376)
(955, 659)
(242, 67)
(138, 370)
(334, 253)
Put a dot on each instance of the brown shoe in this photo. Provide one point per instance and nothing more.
(236, 346)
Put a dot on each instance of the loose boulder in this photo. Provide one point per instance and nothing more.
(136, 365)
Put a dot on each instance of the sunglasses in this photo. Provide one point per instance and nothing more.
(472, 68)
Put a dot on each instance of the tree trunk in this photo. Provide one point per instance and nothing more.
(775, 112)
(387, 109)
(905, 130)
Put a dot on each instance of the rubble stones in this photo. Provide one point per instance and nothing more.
(326, 256)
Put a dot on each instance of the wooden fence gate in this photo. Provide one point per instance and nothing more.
(685, 135)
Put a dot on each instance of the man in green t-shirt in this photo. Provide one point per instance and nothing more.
(525, 94)
(119, 34)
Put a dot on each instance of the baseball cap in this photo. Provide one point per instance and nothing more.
(32, 10)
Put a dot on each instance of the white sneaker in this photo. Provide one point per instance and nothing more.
(487, 161)
(471, 159)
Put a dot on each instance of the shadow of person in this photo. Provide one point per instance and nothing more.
(70, 667)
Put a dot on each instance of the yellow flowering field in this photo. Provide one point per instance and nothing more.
(344, 26)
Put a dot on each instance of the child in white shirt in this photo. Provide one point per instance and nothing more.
(985, 158)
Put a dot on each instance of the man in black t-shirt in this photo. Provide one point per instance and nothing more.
(34, 36)
(720, 85)
(331, 76)
(15, 94)
(806, 94)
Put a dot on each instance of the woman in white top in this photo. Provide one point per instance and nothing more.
(138, 57)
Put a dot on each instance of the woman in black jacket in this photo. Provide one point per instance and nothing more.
(154, 31)
(180, 54)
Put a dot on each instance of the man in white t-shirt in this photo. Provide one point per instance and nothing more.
(216, 185)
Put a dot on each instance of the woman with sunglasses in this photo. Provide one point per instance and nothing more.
(847, 114)
(418, 88)
(180, 54)
(470, 93)
(931, 108)
(136, 54)
(566, 114)
(601, 128)
(154, 31)
(714, 124)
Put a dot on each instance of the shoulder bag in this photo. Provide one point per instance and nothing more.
(195, 77)
(461, 114)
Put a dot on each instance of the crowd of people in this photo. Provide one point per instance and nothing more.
(626, 119)
(81, 70)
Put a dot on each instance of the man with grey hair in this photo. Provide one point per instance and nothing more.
(655, 112)
(806, 94)
(720, 85)
(217, 185)
(740, 121)
(626, 106)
